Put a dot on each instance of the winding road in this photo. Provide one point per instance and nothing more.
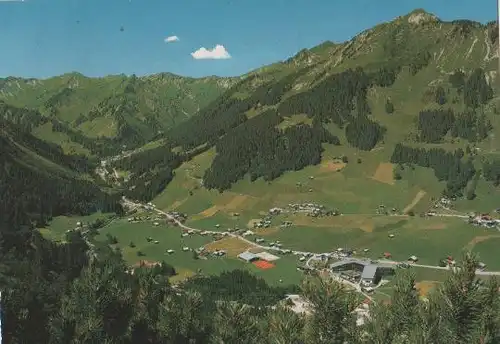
(315, 254)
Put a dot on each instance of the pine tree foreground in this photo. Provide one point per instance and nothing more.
(105, 304)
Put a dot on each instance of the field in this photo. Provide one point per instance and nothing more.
(430, 239)
(353, 188)
(232, 246)
(384, 173)
(357, 188)
(184, 262)
(56, 229)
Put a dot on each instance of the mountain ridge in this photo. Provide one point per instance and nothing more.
(393, 89)
(388, 80)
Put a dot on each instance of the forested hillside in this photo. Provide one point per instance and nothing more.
(416, 92)
(377, 92)
(38, 181)
(71, 110)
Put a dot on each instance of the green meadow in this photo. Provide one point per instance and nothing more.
(56, 229)
(184, 262)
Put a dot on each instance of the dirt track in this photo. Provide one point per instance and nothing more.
(415, 201)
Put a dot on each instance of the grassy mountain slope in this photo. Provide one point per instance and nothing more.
(378, 128)
(130, 110)
(369, 93)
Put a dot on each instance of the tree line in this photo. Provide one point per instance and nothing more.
(255, 146)
(340, 98)
(31, 188)
(260, 149)
(25, 119)
(474, 89)
(491, 171)
(102, 146)
(434, 125)
(151, 171)
(447, 166)
(228, 111)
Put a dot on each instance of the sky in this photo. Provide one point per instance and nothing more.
(44, 38)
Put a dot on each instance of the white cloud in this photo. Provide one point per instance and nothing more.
(11, 0)
(170, 39)
(217, 53)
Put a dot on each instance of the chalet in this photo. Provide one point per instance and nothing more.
(275, 211)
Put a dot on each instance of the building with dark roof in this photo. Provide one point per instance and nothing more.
(370, 273)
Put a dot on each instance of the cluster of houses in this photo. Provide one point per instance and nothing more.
(135, 219)
(203, 253)
(300, 305)
(286, 224)
(312, 209)
(383, 210)
(444, 202)
(175, 215)
(264, 223)
(484, 220)
(450, 262)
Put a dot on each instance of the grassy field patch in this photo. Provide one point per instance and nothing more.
(232, 246)
(184, 262)
(488, 252)
(412, 236)
(384, 173)
(332, 166)
(56, 229)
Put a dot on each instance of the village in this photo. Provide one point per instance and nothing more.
(349, 266)
(311, 209)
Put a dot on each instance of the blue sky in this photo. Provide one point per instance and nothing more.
(43, 38)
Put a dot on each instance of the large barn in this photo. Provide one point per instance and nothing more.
(248, 256)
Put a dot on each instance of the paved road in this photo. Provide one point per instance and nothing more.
(270, 248)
